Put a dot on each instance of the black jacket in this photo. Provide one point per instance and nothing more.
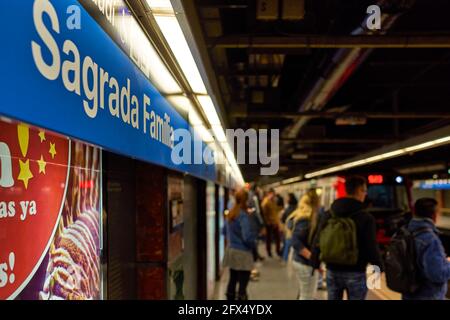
(287, 212)
(365, 234)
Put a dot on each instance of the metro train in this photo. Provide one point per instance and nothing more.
(389, 199)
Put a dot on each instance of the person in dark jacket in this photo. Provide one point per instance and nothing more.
(352, 279)
(241, 234)
(433, 263)
(270, 211)
(254, 208)
(292, 205)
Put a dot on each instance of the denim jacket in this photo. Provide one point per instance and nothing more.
(432, 262)
(300, 240)
(242, 232)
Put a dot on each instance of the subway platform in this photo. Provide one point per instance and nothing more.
(277, 281)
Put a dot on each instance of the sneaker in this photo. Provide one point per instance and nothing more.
(255, 272)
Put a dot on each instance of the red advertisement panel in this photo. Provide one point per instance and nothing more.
(49, 215)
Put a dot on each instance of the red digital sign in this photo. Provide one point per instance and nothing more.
(375, 179)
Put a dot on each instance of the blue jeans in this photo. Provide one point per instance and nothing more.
(352, 282)
(287, 248)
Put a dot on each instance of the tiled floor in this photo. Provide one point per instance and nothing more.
(278, 282)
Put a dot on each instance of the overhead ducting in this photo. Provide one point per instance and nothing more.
(343, 64)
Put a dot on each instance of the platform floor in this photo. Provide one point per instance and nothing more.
(278, 282)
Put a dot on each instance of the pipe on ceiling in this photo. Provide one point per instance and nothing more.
(344, 63)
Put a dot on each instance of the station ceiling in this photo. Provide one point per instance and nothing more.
(334, 90)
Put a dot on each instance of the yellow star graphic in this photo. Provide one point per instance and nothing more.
(52, 150)
(42, 136)
(42, 164)
(25, 174)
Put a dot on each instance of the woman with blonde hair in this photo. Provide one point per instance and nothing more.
(305, 221)
(241, 235)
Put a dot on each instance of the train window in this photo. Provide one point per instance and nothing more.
(381, 196)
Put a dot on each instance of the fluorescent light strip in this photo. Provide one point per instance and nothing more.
(291, 180)
(168, 24)
(151, 64)
(181, 102)
(159, 4)
(383, 156)
(199, 126)
(209, 110)
(171, 30)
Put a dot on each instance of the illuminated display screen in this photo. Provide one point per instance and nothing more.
(375, 179)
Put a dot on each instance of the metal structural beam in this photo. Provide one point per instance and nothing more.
(333, 115)
(223, 4)
(327, 153)
(433, 139)
(322, 41)
(405, 63)
(337, 141)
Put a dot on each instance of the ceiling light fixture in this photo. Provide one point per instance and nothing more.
(292, 180)
(167, 21)
(383, 156)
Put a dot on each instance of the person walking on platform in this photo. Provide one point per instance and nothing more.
(231, 199)
(288, 225)
(432, 262)
(270, 214)
(255, 209)
(348, 244)
(241, 234)
(305, 221)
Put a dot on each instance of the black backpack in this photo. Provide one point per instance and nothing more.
(402, 271)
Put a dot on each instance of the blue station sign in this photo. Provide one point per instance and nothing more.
(80, 83)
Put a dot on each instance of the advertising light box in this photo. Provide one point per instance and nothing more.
(50, 213)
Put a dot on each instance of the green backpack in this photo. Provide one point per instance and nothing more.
(337, 242)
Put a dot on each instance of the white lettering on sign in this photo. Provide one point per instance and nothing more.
(129, 31)
(107, 8)
(28, 207)
(95, 85)
(41, 7)
(5, 268)
(8, 209)
(6, 176)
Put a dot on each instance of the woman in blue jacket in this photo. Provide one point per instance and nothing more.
(242, 231)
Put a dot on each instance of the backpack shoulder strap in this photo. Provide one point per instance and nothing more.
(422, 230)
(331, 215)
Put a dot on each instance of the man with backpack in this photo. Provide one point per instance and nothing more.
(347, 243)
(429, 261)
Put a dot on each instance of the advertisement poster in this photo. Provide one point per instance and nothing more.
(50, 204)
